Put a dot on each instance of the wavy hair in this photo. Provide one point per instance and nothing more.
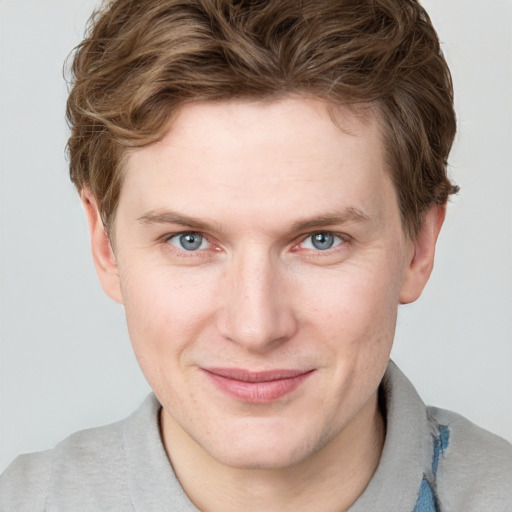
(143, 59)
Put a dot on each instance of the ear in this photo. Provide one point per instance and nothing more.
(102, 252)
(421, 260)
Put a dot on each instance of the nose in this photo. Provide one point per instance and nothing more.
(256, 311)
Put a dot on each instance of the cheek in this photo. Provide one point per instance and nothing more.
(355, 305)
(165, 311)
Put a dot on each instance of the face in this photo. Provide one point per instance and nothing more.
(260, 257)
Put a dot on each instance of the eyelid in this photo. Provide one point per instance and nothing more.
(343, 237)
(169, 236)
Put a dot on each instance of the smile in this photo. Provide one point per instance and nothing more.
(257, 387)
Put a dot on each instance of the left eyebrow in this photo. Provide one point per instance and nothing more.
(346, 215)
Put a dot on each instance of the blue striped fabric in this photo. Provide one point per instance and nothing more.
(427, 501)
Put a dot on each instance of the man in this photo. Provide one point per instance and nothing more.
(264, 184)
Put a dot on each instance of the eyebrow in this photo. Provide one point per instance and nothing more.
(171, 217)
(349, 214)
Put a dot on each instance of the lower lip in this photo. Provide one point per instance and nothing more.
(258, 392)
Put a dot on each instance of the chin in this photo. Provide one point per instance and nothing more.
(266, 449)
(261, 459)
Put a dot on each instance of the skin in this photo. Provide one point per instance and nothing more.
(257, 180)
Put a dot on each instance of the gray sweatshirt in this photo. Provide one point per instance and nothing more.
(433, 461)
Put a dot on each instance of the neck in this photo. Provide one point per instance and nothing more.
(335, 476)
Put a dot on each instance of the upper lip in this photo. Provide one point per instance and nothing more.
(256, 376)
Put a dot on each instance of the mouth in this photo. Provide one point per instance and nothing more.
(257, 387)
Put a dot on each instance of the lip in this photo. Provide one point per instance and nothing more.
(257, 387)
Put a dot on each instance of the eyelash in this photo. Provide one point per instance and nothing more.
(204, 253)
(319, 252)
(344, 239)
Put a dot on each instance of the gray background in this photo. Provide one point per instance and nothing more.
(65, 358)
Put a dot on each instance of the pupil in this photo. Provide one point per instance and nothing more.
(323, 241)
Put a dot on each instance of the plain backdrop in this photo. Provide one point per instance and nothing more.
(66, 360)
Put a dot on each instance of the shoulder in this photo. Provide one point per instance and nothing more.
(475, 466)
(90, 457)
(24, 484)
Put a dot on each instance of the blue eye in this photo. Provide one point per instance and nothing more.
(189, 241)
(321, 241)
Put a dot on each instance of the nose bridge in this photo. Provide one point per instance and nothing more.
(256, 311)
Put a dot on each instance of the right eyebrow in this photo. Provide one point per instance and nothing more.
(172, 217)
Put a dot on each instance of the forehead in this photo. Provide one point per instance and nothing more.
(251, 159)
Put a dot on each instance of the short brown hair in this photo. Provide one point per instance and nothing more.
(142, 59)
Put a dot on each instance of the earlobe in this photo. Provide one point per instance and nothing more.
(421, 261)
(102, 252)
